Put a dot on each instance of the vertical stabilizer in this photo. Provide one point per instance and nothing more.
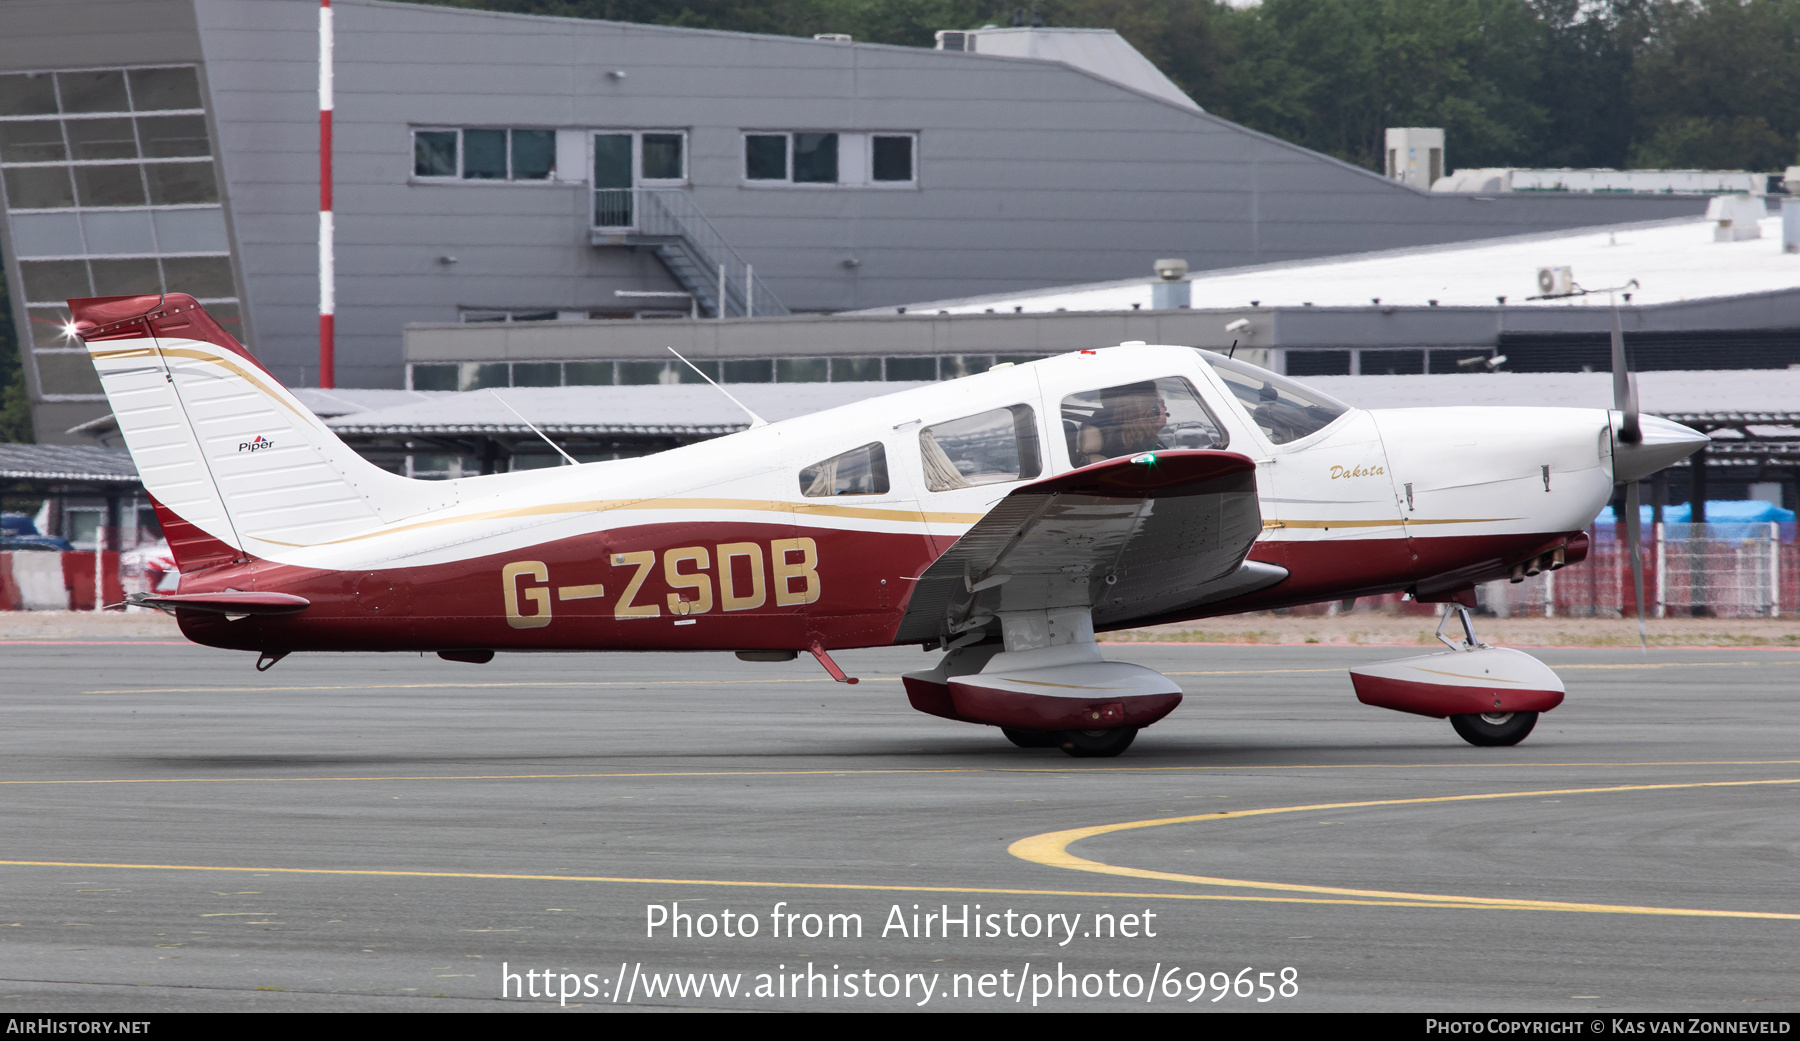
(222, 445)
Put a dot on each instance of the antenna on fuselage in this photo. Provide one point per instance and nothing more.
(755, 420)
(534, 429)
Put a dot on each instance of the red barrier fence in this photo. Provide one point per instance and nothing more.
(1719, 570)
(38, 580)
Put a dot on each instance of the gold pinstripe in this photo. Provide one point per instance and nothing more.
(1272, 524)
(225, 363)
(604, 505)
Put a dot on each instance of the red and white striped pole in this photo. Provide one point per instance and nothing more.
(327, 243)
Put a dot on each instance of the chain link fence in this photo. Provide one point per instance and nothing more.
(1734, 570)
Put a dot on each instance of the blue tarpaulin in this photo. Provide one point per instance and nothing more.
(1725, 519)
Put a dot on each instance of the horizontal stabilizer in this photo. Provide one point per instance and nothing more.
(229, 602)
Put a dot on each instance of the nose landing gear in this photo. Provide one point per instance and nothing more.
(1491, 695)
(1485, 729)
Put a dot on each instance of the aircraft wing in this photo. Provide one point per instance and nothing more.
(1128, 538)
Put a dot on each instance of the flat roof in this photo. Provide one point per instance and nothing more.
(1672, 261)
(72, 464)
(1711, 392)
(685, 409)
(697, 409)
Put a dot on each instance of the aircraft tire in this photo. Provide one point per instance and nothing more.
(1032, 738)
(1096, 744)
(1491, 731)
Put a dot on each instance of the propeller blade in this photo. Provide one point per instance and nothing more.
(1633, 537)
(1624, 386)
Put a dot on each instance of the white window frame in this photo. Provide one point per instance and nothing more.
(413, 175)
(856, 160)
(412, 155)
(869, 161)
(638, 180)
(637, 159)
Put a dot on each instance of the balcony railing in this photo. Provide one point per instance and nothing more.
(668, 221)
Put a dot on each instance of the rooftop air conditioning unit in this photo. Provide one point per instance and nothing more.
(1556, 281)
(948, 40)
(834, 37)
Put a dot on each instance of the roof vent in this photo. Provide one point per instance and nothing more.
(834, 37)
(1736, 217)
(1171, 290)
(951, 40)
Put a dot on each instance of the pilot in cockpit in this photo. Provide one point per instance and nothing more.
(1130, 420)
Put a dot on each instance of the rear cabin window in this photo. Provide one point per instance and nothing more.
(986, 448)
(1284, 410)
(1148, 416)
(860, 471)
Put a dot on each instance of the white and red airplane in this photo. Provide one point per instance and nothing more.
(1004, 518)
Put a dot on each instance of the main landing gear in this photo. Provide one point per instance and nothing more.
(1046, 686)
(1491, 695)
(1082, 744)
(1494, 729)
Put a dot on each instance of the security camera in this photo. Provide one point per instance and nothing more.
(1171, 270)
(1238, 326)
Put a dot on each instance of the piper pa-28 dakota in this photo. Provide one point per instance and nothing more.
(1002, 519)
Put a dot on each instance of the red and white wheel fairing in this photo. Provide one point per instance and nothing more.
(1486, 680)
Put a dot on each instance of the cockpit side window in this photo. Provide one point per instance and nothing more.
(1283, 409)
(986, 448)
(1148, 416)
(860, 471)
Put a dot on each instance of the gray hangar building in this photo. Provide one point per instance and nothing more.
(507, 167)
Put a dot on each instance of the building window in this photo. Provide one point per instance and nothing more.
(664, 157)
(840, 158)
(815, 159)
(476, 375)
(473, 315)
(891, 158)
(434, 153)
(110, 190)
(485, 154)
(765, 157)
(625, 160)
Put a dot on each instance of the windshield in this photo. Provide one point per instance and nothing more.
(1285, 410)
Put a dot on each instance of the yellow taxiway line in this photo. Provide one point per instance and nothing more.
(736, 883)
(1051, 849)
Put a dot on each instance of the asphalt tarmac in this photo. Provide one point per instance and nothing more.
(179, 832)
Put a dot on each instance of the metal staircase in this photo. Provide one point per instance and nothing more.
(667, 222)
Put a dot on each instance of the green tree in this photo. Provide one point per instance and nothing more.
(1718, 85)
(1586, 58)
(15, 401)
(1684, 83)
(1334, 74)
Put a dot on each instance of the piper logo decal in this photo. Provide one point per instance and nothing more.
(257, 445)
